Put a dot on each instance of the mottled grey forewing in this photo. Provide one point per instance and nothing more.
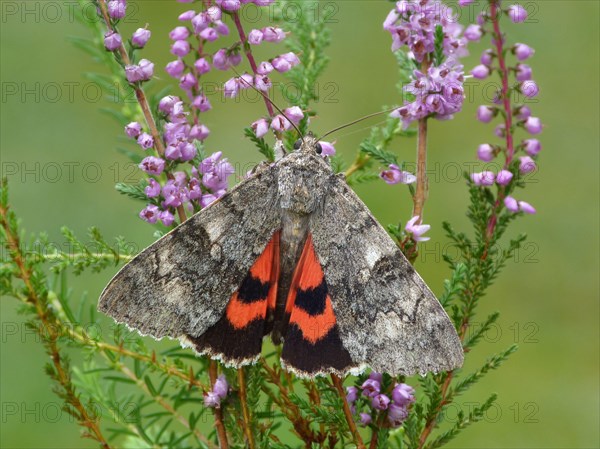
(388, 318)
(181, 284)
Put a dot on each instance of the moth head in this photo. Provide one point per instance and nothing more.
(308, 143)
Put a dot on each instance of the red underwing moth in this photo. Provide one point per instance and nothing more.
(293, 253)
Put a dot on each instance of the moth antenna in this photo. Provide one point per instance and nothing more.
(266, 97)
(354, 122)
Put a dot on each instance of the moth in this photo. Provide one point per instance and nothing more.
(293, 253)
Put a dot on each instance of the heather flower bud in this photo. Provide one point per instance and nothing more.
(465, 2)
(229, 5)
(380, 402)
(527, 165)
(485, 152)
(280, 123)
(214, 14)
(396, 415)
(526, 207)
(394, 176)
(524, 72)
(517, 13)
(365, 419)
(152, 165)
(273, 34)
(220, 60)
(262, 83)
(295, 114)
(116, 9)
(199, 132)
(255, 37)
(504, 177)
(221, 28)
(532, 146)
(146, 141)
(403, 394)
(206, 200)
(327, 148)
(202, 103)
(231, 88)
(530, 89)
(473, 33)
(371, 388)
(188, 15)
(485, 114)
(211, 400)
(179, 33)
(260, 127)
(147, 69)
(480, 72)
(150, 213)
(141, 37)
(112, 41)
(523, 113)
(487, 57)
(523, 52)
(351, 394)
(175, 68)
(511, 204)
(485, 178)
(209, 34)
(202, 66)
(264, 68)
(133, 129)
(188, 81)
(180, 48)
(533, 125)
(166, 217)
(166, 103)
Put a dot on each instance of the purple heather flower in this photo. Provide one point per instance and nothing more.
(112, 41)
(207, 199)
(523, 51)
(526, 207)
(465, 2)
(152, 165)
(530, 89)
(212, 400)
(173, 194)
(209, 34)
(147, 69)
(229, 5)
(295, 114)
(221, 28)
(199, 132)
(351, 394)
(517, 13)
(417, 230)
(480, 72)
(327, 148)
(273, 34)
(167, 103)
(365, 419)
(255, 37)
(220, 60)
(141, 37)
(202, 103)
(485, 152)
(153, 188)
(533, 125)
(500, 130)
(485, 114)
(202, 66)
(187, 81)
(504, 177)
(116, 9)
(394, 175)
(262, 83)
(511, 204)
(188, 15)
(532, 146)
(397, 415)
(200, 22)
(221, 387)
(376, 376)
(145, 140)
(231, 88)
(370, 387)
(280, 123)
(473, 33)
(487, 57)
(180, 48)
(523, 113)
(281, 65)
(133, 129)
(166, 217)
(260, 127)
(524, 72)
(150, 213)
(175, 68)
(485, 178)
(264, 68)
(380, 402)
(179, 33)
(527, 165)
(403, 394)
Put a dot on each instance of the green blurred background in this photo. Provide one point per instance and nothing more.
(548, 391)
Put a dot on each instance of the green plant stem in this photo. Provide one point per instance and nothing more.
(62, 374)
(143, 102)
(221, 432)
(337, 383)
(245, 411)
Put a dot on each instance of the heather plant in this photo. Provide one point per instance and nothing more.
(125, 392)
